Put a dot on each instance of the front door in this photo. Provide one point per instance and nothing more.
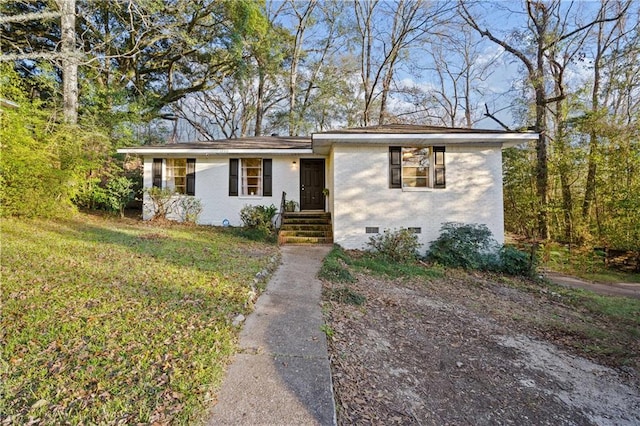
(311, 184)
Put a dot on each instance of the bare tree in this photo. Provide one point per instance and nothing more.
(608, 42)
(541, 17)
(381, 50)
(303, 15)
(458, 73)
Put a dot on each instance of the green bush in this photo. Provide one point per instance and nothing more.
(258, 217)
(43, 163)
(471, 246)
(468, 246)
(119, 191)
(516, 262)
(399, 245)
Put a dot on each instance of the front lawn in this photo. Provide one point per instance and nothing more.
(118, 321)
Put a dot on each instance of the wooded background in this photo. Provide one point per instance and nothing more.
(78, 79)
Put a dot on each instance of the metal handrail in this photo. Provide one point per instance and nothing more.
(278, 219)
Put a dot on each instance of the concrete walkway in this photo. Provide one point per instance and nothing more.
(282, 375)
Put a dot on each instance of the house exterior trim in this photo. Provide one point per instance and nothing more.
(323, 141)
(208, 151)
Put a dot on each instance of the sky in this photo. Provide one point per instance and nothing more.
(502, 85)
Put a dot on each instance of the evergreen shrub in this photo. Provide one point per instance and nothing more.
(471, 246)
(399, 245)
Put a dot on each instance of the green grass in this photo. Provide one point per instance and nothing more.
(338, 265)
(346, 295)
(583, 263)
(107, 321)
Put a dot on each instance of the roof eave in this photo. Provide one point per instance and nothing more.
(209, 151)
(322, 142)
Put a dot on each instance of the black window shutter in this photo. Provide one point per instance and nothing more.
(233, 177)
(267, 179)
(191, 176)
(157, 173)
(395, 167)
(438, 162)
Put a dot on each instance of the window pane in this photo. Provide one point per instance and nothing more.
(439, 176)
(252, 176)
(176, 174)
(414, 182)
(415, 167)
(408, 172)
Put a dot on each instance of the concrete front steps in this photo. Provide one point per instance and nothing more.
(307, 227)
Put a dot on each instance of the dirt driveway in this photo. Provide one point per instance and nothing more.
(465, 349)
(615, 289)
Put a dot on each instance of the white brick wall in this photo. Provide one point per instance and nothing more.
(362, 197)
(212, 187)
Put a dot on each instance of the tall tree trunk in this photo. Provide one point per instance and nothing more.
(590, 184)
(303, 21)
(542, 170)
(386, 87)
(260, 102)
(564, 168)
(364, 10)
(69, 60)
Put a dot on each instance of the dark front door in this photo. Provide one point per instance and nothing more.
(311, 184)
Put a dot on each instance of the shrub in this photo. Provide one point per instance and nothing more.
(190, 208)
(399, 245)
(90, 194)
(258, 217)
(119, 191)
(468, 246)
(166, 204)
(471, 246)
(516, 262)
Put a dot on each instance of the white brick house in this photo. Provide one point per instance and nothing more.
(377, 178)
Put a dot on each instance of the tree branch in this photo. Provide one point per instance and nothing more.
(494, 118)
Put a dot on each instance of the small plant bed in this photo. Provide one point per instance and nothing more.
(109, 321)
(415, 345)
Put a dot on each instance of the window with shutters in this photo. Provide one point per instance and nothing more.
(176, 175)
(179, 175)
(413, 168)
(250, 177)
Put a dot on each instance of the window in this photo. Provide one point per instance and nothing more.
(157, 172)
(250, 177)
(251, 174)
(179, 174)
(176, 175)
(416, 167)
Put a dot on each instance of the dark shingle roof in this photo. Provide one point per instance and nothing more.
(410, 129)
(258, 142)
